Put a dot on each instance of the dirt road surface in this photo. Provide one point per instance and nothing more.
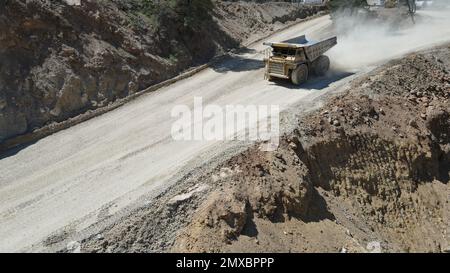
(75, 178)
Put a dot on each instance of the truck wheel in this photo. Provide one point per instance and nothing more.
(300, 74)
(321, 65)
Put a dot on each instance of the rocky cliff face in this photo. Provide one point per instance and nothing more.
(60, 60)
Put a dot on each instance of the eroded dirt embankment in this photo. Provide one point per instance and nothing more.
(372, 167)
(369, 171)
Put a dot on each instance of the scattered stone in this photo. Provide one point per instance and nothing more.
(374, 247)
(293, 145)
(74, 247)
(336, 123)
(412, 123)
(2, 104)
(175, 201)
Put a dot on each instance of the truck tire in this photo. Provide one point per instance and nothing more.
(321, 65)
(300, 74)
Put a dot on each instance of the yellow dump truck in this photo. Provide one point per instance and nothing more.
(298, 58)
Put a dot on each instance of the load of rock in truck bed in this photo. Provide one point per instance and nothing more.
(297, 58)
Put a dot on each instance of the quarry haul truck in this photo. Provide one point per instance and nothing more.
(297, 58)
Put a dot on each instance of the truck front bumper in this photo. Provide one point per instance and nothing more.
(278, 76)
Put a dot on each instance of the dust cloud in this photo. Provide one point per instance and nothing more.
(365, 40)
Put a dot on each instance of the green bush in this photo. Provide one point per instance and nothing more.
(346, 4)
(192, 12)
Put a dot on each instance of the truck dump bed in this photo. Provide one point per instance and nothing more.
(312, 49)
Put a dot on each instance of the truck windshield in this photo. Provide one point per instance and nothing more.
(283, 51)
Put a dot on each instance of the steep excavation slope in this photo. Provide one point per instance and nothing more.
(371, 167)
(369, 171)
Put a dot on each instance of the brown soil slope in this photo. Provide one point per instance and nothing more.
(369, 172)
